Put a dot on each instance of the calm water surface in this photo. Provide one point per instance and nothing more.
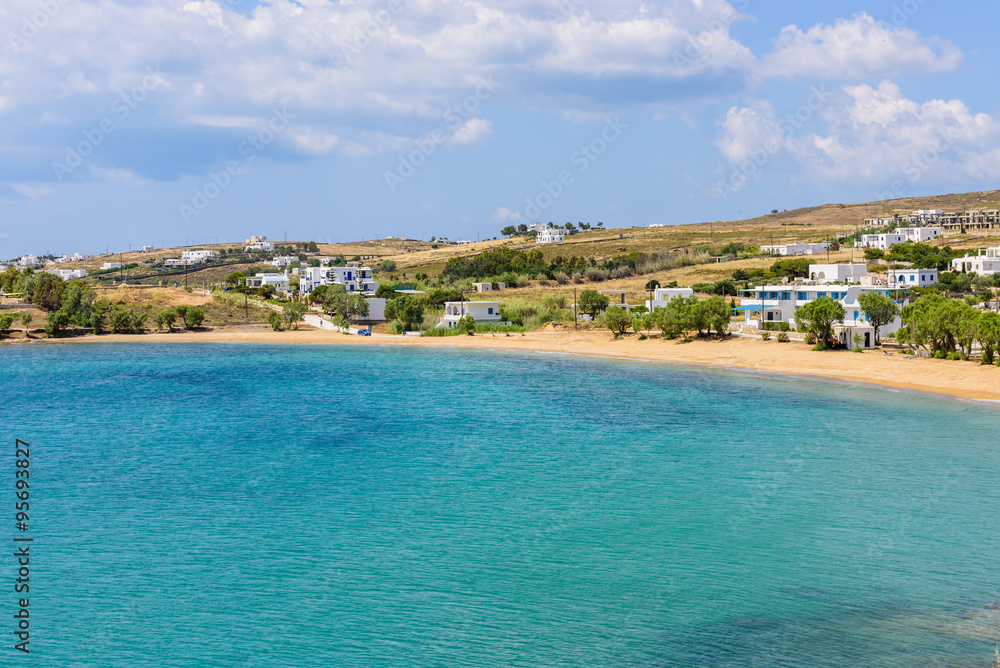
(237, 505)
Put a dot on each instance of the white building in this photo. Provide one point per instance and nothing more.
(488, 287)
(66, 274)
(277, 281)
(924, 216)
(352, 277)
(550, 236)
(661, 296)
(28, 261)
(538, 227)
(111, 265)
(796, 248)
(837, 273)
(180, 262)
(910, 278)
(283, 261)
(197, 256)
(258, 243)
(887, 240)
(984, 263)
(481, 312)
(778, 303)
(147, 249)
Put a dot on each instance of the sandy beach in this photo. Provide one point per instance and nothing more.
(965, 380)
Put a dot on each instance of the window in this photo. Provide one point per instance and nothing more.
(490, 310)
(786, 295)
(855, 315)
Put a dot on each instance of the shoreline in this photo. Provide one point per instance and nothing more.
(956, 379)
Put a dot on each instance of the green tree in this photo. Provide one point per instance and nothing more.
(406, 309)
(988, 335)
(56, 322)
(166, 318)
(193, 317)
(48, 292)
(880, 310)
(466, 324)
(617, 320)
(819, 317)
(592, 302)
(717, 313)
(386, 266)
(274, 320)
(26, 321)
(872, 254)
(509, 231)
(236, 278)
(652, 284)
(294, 312)
(6, 321)
(385, 292)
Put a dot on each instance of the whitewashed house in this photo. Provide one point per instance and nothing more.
(481, 312)
(277, 281)
(352, 277)
(551, 235)
(838, 273)
(910, 278)
(778, 303)
(984, 263)
(258, 243)
(197, 256)
(662, 296)
(66, 274)
(283, 261)
(796, 248)
(488, 287)
(28, 261)
(887, 240)
(147, 249)
(111, 265)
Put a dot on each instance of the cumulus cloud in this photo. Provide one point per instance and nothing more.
(869, 135)
(361, 78)
(505, 215)
(856, 48)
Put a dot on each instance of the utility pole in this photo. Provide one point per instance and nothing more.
(575, 316)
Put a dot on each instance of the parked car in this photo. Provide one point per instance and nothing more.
(367, 331)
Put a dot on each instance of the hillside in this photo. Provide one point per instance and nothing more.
(411, 256)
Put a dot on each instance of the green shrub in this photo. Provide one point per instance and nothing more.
(956, 356)
(396, 327)
(810, 338)
(765, 335)
(784, 327)
(274, 320)
(782, 337)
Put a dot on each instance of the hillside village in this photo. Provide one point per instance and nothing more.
(924, 281)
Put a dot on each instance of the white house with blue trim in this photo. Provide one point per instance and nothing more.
(352, 277)
(778, 303)
(910, 278)
(481, 312)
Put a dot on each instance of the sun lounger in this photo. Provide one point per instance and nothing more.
(886, 352)
(909, 357)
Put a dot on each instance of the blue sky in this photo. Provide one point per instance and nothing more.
(171, 122)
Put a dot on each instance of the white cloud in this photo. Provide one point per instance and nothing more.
(505, 215)
(473, 131)
(870, 136)
(856, 48)
(31, 190)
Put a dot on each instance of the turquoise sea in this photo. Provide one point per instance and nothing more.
(244, 505)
